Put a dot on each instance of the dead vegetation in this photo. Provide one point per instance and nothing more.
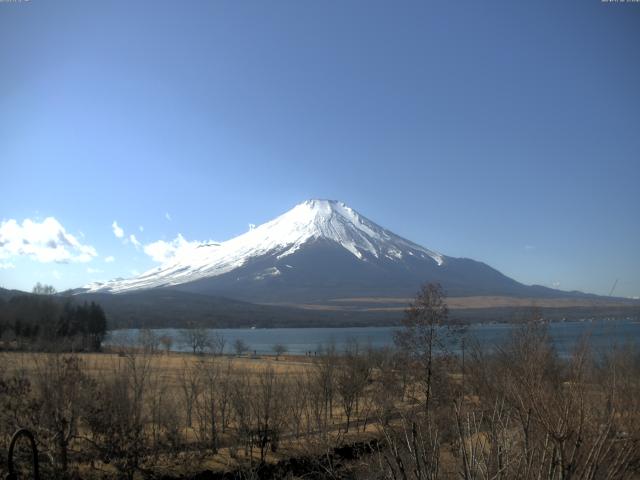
(416, 412)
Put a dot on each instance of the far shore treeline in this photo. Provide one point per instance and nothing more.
(43, 321)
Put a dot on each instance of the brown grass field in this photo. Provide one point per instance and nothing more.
(398, 304)
(515, 414)
(168, 369)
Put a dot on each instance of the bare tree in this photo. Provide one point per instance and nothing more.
(352, 377)
(190, 386)
(224, 393)
(198, 339)
(268, 405)
(60, 384)
(217, 345)
(424, 333)
(412, 450)
(279, 349)
(115, 416)
(207, 404)
(240, 346)
(546, 417)
(299, 392)
(325, 372)
(148, 340)
(239, 400)
(163, 424)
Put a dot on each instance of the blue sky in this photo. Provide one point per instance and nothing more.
(507, 132)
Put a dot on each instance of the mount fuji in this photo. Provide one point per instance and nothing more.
(320, 251)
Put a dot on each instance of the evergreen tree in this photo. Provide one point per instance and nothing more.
(96, 326)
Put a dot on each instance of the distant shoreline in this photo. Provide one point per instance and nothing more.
(302, 341)
(632, 318)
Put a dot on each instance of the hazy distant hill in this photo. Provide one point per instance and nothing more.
(164, 307)
(173, 308)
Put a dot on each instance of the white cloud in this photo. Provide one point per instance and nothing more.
(45, 241)
(162, 251)
(117, 231)
(135, 272)
(252, 226)
(93, 270)
(167, 216)
(109, 259)
(141, 228)
(56, 274)
(6, 265)
(134, 241)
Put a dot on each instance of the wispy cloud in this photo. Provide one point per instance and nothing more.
(93, 270)
(110, 259)
(46, 241)
(6, 265)
(252, 226)
(117, 231)
(163, 251)
(141, 228)
(167, 216)
(529, 247)
(134, 241)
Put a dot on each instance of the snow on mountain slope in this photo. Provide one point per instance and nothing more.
(311, 220)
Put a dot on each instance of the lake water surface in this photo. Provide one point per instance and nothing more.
(603, 334)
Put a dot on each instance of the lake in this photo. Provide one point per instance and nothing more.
(603, 334)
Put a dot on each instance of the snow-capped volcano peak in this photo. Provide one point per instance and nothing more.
(306, 223)
(335, 221)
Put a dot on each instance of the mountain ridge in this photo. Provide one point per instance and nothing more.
(308, 221)
(317, 251)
